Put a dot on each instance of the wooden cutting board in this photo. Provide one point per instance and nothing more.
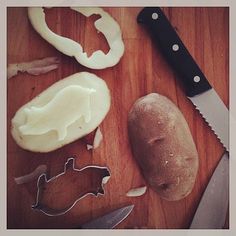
(142, 70)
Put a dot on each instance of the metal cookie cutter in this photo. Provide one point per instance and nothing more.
(54, 187)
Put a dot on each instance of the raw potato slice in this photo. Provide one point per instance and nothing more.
(106, 25)
(163, 146)
(66, 111)
(136, 192)
(96, 140)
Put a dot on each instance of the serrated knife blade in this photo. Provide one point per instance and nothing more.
(197, 87)
(215, 113)
(212, 209)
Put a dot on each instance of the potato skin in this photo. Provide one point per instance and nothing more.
(163, 146)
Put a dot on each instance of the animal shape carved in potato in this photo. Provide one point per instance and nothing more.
(40, 120)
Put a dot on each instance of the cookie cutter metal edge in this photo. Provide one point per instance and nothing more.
(70, 163)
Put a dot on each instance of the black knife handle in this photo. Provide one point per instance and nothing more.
(193, 80)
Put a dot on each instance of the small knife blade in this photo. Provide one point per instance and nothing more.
(110, 220)
(197, 87)
(212, 210)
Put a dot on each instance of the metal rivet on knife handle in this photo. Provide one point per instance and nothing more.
(154, 16)
(196, 79)
(175, 47)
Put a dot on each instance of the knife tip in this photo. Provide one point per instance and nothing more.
(129, 209)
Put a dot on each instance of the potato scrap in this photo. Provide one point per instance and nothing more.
(97, 140)
(35, 67)
(106, 25)
(41, 169)
(136, 192)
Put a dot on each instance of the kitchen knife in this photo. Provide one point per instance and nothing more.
(197, 88)
(212, 210)
(213, 205)
(110, 220)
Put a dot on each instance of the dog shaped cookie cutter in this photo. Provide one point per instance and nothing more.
(69, 165)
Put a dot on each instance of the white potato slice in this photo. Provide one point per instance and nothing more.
(106, 25)
(136, 192)
(69, 109)
(97, 140)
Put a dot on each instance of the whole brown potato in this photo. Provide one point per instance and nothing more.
(163, 146)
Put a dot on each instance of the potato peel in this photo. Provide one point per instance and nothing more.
(35, 67)
(41, 169)
(106, 25)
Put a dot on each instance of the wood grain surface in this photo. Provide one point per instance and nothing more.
(142, 70)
